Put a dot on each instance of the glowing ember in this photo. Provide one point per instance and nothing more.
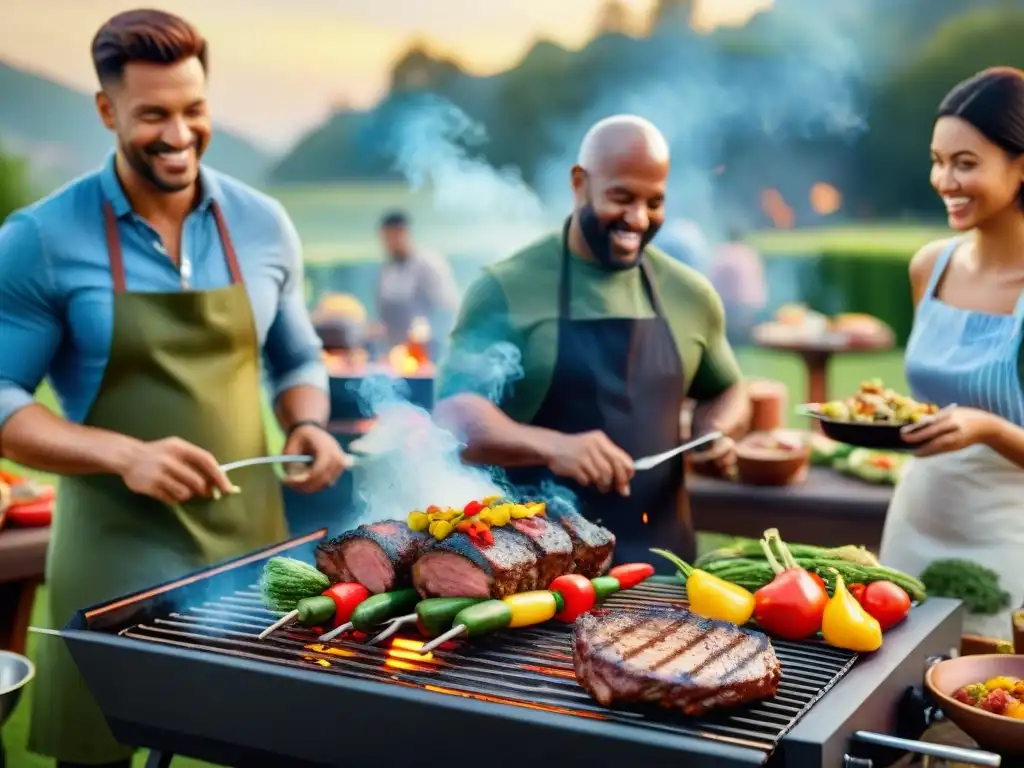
(775, 206)
(644, 518)
(402, 361)
(404, 654)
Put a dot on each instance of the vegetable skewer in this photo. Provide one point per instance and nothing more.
(374, 611)
(566, 599)
(433, 616)
(336, 602)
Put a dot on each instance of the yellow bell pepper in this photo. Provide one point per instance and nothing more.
(488, 501)
(418, 521)
(441, 529)
(845, 624)
(519, 511)
(710, 596)
(530, 608)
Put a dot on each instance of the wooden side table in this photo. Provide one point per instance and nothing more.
(22, 569)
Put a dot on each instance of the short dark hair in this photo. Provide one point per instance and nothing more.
(993, 102)
(394, 220)
(145, 35)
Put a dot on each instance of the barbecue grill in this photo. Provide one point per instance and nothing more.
(179, 669)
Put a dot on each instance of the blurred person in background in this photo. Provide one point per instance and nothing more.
(737, 272)
(613, 335)
(413, 283)
(962, 496)
(148, 293)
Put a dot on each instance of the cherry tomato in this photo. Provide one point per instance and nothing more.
(346, 597)
(472, 508)
(578, 595)
(631, 574)
(857, 590)
(887, 602)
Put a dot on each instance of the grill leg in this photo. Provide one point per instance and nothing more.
(159, 760)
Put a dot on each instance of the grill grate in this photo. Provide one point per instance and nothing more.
(528, 667)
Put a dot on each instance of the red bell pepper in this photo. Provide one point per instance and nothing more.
(631, 574)
(473, 508)
(792, 604)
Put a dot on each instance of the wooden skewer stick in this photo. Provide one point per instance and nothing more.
(451, 634)
(341, 629)
(394, 625)
(288, 618)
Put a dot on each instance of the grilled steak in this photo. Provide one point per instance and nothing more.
(593, 547)
(672, 658)
(379, 555)
(552, 545)
(458, 567)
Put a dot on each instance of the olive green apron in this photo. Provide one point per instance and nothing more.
(182, 364)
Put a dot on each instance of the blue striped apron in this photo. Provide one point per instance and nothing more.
(969, 503)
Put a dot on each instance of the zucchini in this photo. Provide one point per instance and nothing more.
(286, 581)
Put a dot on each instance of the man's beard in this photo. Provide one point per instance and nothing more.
(142, 162)
(598, 234)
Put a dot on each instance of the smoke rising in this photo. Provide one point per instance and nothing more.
(408, 461)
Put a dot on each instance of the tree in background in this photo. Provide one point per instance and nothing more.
(615, 18)
(14, 185)
(894, 155)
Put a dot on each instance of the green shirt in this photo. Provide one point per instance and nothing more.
(516, 301)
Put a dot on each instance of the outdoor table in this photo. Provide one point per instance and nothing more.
(817, 354)
(828, 509)
(22, 567)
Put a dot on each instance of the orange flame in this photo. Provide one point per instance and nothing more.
(402, 361)
(404, 654)
(644, 518)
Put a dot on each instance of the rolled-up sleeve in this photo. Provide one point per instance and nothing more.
(30, 314)
(293, 352)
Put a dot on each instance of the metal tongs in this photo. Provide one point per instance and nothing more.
(649, 462)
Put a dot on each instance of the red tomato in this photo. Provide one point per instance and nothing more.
(888, 603)
(346, 596)
(857, 590)
(631, 574)
(472, 508)
(578, 596)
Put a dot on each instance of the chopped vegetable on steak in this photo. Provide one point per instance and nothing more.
(378, 556)
(672, 658)
(460, 567)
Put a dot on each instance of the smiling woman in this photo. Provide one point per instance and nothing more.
(966, 348)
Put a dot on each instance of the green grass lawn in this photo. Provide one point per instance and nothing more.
(846, 373)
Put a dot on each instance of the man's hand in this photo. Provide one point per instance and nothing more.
(721, 453)
(591, 458)
(329, 461)
(174, 471)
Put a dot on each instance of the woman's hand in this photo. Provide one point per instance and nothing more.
(951, 431)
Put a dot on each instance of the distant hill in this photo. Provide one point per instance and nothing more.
(57, 129)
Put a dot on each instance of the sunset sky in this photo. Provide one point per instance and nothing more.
(278, 65)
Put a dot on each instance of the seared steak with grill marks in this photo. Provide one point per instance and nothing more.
(552, 545)
(458, 567)
(378, 555)
(672, 658)
(593, 547)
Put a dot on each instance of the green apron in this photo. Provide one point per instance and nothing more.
(181, 364)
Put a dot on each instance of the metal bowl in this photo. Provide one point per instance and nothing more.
(995, 732)
(15, 673)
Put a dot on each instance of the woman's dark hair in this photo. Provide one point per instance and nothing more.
(155, 37)
(993, 102)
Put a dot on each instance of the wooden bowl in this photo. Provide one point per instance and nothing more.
(994, 732)
(758, 465)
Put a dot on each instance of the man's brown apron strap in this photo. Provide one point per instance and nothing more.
(227, 245)
(114, 248)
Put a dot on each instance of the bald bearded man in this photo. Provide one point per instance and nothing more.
(613, 335)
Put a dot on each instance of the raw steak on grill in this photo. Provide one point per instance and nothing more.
(593, 547)
(379, 555)
(672, 658)
(552, 545)
(458, 567)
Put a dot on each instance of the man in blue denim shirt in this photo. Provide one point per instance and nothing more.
(149, 293)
